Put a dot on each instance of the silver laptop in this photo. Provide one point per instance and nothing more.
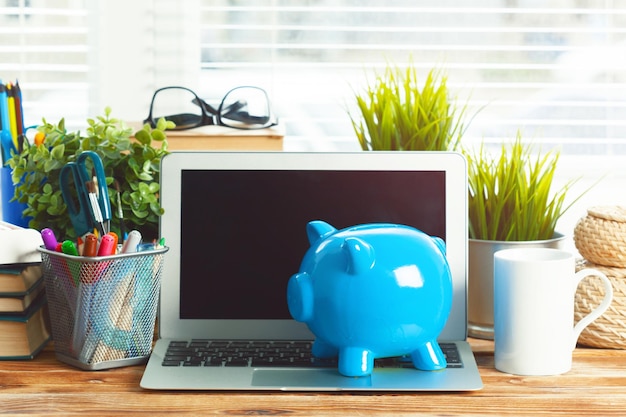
(235, 224)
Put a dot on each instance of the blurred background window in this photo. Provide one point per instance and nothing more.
(556, 69)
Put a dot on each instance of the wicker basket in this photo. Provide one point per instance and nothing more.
(600, 237)
(608, 330)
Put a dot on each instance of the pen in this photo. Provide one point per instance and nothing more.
(106, 246)
(131, 243)
(120, 211)
(12, 119)
(68, 248)
(91, 245)
(115, 241)
(95, 206)
(4, 109)
(49, 240)
(6, 140)
(19, 111)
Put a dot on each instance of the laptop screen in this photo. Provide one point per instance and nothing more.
(235, 225)
(243, 231)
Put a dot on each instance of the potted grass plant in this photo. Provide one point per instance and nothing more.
(395, 113)
(512, 202)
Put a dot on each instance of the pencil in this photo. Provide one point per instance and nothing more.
(11, 107)
(19, 111)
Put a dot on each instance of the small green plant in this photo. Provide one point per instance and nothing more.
(131, 168)
(510, 196)
(396, 114)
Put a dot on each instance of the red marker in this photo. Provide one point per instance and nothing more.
(107, 246)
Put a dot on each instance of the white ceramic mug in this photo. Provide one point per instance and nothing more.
(534, 291)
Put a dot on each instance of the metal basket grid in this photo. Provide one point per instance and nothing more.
(103, 309)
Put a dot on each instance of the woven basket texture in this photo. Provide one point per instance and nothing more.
(608, 330)
(600, 237)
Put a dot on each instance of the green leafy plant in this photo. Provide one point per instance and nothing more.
(131, 168)
(511, 196)
(394, 113)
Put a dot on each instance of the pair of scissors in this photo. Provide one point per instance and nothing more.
(89, 206)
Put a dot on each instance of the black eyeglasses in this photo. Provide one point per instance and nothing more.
(241, 108)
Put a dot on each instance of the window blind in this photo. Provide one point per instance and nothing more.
(554, 70)
(74, 57)
(43, 44)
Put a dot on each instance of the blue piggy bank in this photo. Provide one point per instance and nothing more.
(373, 291)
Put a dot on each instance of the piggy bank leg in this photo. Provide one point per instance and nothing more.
(429, 357)
(355, 362)
(323, 350)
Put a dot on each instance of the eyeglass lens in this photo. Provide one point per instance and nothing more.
(177, 105)
(245, 108)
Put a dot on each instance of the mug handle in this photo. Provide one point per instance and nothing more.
(598, 311)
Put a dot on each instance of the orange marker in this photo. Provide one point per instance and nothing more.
(116, 241)
(91, 245)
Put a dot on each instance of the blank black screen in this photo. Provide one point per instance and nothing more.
(243, 232)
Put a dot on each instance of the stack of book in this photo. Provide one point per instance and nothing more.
(24, 325)
(24, 322)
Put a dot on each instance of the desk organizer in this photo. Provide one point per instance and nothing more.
(600, 237)
(102, 309)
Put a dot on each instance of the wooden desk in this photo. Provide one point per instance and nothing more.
(595, 386)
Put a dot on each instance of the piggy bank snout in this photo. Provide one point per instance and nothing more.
(300, 297)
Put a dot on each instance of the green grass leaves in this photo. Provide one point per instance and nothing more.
(510, 196)
(396, 114)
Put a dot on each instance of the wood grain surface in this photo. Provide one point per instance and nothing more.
(596, 386)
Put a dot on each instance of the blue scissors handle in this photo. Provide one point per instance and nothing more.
(103, 191)
(78, 209)
(82, 215)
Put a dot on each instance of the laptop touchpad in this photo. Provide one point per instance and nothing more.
(303, 378)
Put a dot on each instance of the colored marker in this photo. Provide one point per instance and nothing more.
(91, 245)
(107, 246)
(68, 248)
(49, 239)
(132, 242)
(116, 240)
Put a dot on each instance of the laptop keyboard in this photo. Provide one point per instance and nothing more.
(272, 353)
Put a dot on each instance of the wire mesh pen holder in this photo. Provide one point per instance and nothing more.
(103, 309)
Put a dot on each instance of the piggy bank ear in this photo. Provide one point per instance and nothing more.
(317, 229)
(440, 244)
(360, 255)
